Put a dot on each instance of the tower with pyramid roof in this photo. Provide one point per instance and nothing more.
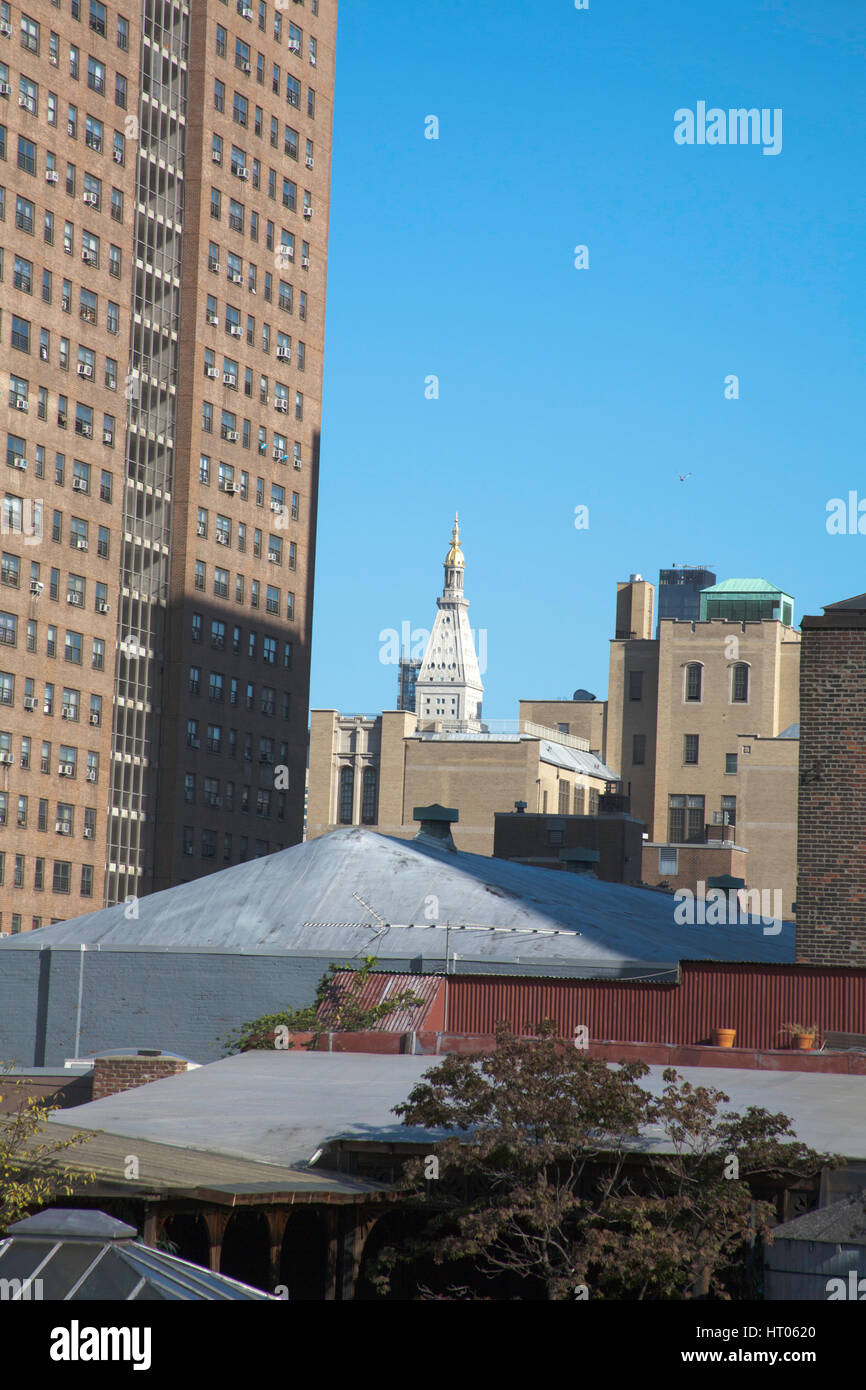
(448, 688)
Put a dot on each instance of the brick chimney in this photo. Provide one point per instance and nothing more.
(122, 1072)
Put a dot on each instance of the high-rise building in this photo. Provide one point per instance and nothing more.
(407, 677)
(165, 191)
(679, 593)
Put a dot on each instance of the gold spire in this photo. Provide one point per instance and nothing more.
(454, 558)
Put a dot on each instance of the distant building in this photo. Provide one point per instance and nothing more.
(407, 678)
(448, 687)
(679, 594)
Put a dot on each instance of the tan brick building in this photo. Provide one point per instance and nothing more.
(162, 294)
(374, 770)
(701, 727)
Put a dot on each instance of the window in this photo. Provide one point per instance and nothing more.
(95, 75)
(368, 796)
(29, 34)
(730, 764)
(729, 810)
(690, 748)
(62, 876)
(685, 819)
(347, 795)
(635, 685)
(638, 749)
(740, 684)
(694, 681)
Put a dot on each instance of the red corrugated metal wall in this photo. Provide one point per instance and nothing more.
(755, 999)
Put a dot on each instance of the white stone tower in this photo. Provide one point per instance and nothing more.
(448, 688)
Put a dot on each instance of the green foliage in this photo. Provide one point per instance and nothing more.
(542, 1187)
(29, 1175)
(335, 1009)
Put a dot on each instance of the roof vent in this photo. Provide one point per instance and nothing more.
(66, 1224)
(436, 822)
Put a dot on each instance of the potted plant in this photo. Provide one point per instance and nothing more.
(802, 1035)
(724, 1037)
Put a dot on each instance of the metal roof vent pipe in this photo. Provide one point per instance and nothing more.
(436, 822)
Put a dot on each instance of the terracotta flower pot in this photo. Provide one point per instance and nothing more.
(724, 1037)
(805, 1041)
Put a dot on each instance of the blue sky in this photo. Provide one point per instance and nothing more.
(561, 387)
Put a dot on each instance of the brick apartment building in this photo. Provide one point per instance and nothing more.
(831, 888)
(164, 183)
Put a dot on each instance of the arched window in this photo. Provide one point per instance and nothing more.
(694, 680)
(368, 797)
(347, 795)
(740, 683)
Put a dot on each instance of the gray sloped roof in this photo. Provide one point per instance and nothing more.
(305, 901)
(282, 1107)
(841, 1223)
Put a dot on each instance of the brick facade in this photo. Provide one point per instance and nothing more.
(123, 1073)
(831, 891)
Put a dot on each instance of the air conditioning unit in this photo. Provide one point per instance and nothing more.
(294, 46)
(230, 487)
(212, 372)
(280, 457)
(277, 507)
(63, 828)
(284, 354)
(230, 379)
(107, 437)
(51, 176)
(282, 406)
(6, 30)
(43, 352)
(91, 774)
(305, 262)
(118, 156)
(232, 436)
(214, 266)
(237, 279)
(245, 67)
(25, 102)
(273, 557)
(246, 12)
(91, 199)
(312, 60)
(75, 599)
(88, 257)
(85, 430)
(308, 212)
(236, 331)
(20, 403)
(222, 538)
(101, 607)
(213, 319)
(216, 156)
(68, 712)
(36, 587)
(67, 769)
(18, 461)
(6, 759)
(88, 832)
(54, 60)
(310, 162)
(85, 369)
(30, 702)
(79, 485)
(188, 849)
(298, 464)
(80, 543)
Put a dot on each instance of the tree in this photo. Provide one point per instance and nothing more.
(29, 1174)
(336, 1009)
(546, 1189)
